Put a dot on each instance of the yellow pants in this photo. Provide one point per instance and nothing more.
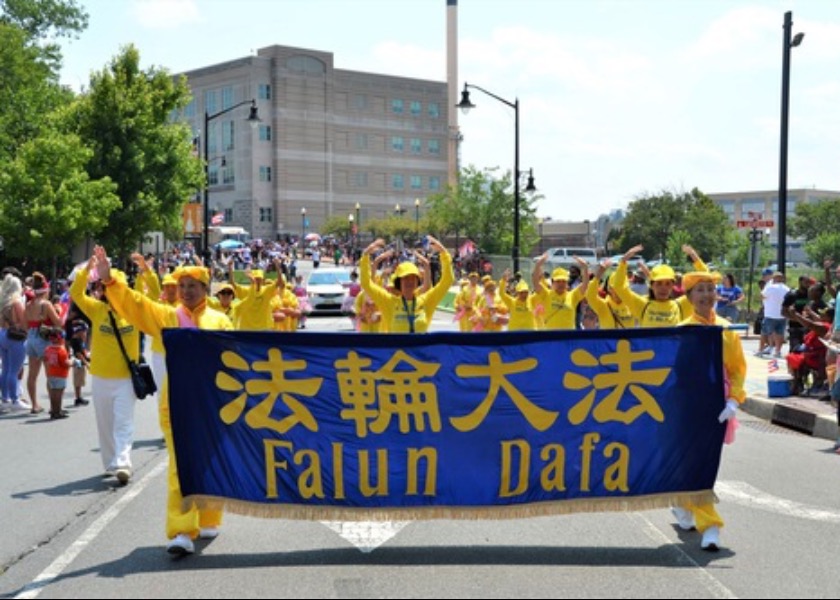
(705, 516)
(177, 519)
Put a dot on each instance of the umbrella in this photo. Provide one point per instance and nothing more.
(313, 237)
(230, 244)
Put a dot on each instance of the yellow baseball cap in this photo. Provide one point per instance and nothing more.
(559, 273)
(662, 273)
(257, 274)
(168, 279)
(522, 287)
(404, 269)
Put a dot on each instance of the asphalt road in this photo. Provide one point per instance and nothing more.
(67, 533)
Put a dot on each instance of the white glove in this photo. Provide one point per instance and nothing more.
(730, 411)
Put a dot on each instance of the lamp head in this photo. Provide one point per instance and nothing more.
(253, 117)
(530, 187)
(465, 105)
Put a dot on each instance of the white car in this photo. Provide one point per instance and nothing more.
(327, 288)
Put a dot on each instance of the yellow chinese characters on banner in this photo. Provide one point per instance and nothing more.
(192, 219)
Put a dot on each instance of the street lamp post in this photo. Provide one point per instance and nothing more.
(302, 224)
(787, 44)
(417, 217)
(465, 105)
(253, 118)
(351, 235)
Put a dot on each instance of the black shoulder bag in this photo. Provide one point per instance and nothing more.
(142, 379)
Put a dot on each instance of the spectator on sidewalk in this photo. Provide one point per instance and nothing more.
(772, 297)
(729, 297)
(57, 363)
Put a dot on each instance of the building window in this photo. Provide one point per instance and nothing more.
(434, 146)
(228, 215)
(397, 143)
(265, 173)
(265, 133)
(434, 110)
(265, 215)
(434, 182)
(227, 97)
(227, 175)
(728, 207)
(213, 175)
(361, 141)
(189, 109)
(361, 179)
(416, 182)
(416, 145)
(397, 106)
(397, 181)
(264, 91)
(416, 108)
(210, 101)
(757, 206)
(227, 136)
(360, 102)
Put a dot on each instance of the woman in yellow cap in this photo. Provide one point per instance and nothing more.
(701, 290)
(521, 305)
(285, 310)
(612, 312)
(255, 311)
(466, 301)
(407, 311)
(223, 300)
(111, 389)
(659, 309)
(182, 525)
(491, 312)
(559, 305)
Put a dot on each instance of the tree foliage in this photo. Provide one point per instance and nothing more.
(481, 208)
(124, 118)
(654, 220)
(819, 225)
(48, 201)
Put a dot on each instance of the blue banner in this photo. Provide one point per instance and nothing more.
(323, 425)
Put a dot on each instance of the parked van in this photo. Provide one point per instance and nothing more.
(563, 257)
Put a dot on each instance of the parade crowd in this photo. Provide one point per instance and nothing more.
(102, 319)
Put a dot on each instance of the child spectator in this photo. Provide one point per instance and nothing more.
(57, 362)
(80, 355)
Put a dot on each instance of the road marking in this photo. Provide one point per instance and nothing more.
(743, 493)
(711, 583)
(48, 575)
(367, 536)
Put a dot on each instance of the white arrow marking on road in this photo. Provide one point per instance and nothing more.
(743, 493)
(367, 536)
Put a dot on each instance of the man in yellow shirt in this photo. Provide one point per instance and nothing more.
(113, 394)
(559, 305)
(182, 525)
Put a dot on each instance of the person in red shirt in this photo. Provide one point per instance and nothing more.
(58, 363)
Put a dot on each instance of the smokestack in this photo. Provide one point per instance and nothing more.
(452, 87)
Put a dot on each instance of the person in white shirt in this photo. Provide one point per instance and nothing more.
(773, 326)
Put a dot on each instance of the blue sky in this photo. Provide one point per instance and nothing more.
(618, 98)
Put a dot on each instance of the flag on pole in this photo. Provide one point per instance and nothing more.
(772, 365)
(218, 219)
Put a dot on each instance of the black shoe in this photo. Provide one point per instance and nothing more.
(61, 414)
(81, 402)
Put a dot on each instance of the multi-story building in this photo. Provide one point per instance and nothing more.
(330, 142)
(764, 206)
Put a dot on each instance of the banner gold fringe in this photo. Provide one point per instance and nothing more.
(306, 512)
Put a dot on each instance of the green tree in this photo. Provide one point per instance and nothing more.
(651, 221)
(48, 201)
(125, 118)
(29, 92)
(42, 21)
(818, 223)
(481, 208)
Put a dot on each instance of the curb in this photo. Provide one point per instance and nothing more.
(787, 414)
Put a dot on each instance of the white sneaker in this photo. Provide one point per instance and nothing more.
(180, 545)
(208, 533)
(19, 406)
(684, 517)
(123, 474)
(711, 539)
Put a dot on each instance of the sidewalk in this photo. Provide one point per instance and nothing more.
(807, 415)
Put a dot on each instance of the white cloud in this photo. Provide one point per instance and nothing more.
(165, 14)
